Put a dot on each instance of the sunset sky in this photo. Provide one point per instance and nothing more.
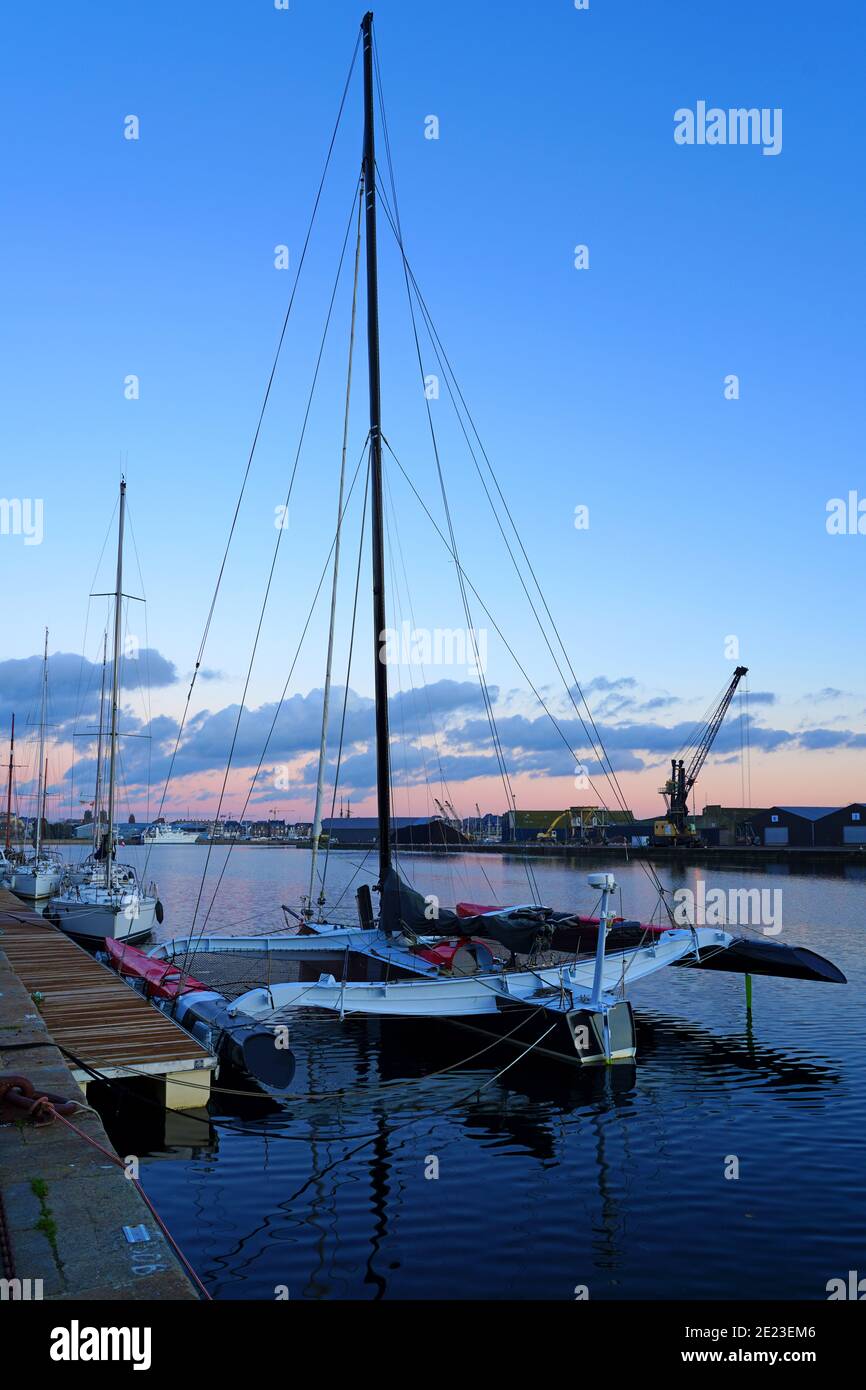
(605, 388)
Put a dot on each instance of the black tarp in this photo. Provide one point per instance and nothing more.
(404, 909)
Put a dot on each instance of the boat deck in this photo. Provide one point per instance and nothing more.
(94, 1015)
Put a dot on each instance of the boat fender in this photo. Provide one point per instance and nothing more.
(159, 912)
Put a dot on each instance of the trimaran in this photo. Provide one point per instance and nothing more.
(552, 982)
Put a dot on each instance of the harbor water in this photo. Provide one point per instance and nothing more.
(413, 1160)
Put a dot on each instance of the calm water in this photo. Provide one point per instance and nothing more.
(548, 1177)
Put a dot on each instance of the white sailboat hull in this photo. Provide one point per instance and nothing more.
(36, 883)
(124, 918)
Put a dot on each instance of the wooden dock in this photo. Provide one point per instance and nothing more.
(93, 1014)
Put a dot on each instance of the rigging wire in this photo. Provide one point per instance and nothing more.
(348, 666)
(276, 715)
(255, 440)
(499, 751)
(326, 693)
(594, 738)
(447, 371)
(145, 686)
(434, 732)
(274, 557)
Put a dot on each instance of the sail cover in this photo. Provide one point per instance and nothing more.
(402, 909)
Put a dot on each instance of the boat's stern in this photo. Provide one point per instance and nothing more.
(603, 1035)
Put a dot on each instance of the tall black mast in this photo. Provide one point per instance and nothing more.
(383, 766)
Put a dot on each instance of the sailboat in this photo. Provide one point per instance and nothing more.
(39, 871)
(88, 870)
(7, 866)
(104, 899)
(550, 982)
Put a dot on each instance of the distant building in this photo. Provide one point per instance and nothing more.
(130, 834)
(735, 824)
(268, 830)
(16, 826)
(846, 826)
(416, 832)
(635, 833)
(486, 827)
(521, 826)
(574, 824)
(808, 827)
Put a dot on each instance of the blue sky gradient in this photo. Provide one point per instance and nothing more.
(602, 387)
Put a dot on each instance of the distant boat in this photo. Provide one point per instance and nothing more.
(161, 834)
(104, 898)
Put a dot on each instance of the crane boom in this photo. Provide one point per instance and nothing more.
(711, 728)
(682, 779)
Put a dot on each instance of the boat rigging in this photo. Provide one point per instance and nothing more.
(524, 967)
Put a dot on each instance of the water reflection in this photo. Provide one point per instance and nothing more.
(549, 1175)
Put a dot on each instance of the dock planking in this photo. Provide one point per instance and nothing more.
(93, 1014)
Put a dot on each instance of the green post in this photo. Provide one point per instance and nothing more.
(748, 994)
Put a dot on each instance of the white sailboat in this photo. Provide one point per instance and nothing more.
(544, 980)
(105, 899)
(87, 869)
(39, 870)
(7, 867)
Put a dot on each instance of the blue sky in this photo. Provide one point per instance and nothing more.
(602, 387)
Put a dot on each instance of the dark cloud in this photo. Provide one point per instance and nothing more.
(605, 684)
(73, 685)
(287, 736)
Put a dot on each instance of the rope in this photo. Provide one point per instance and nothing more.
(118, 1162)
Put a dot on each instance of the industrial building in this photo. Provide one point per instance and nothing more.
(736, 824)
(845, 826)
(574, 825)
(414, 832)
(812, 827)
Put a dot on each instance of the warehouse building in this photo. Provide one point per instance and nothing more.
(847, 826)
(790, 825)
(812, 827)
(413, 832)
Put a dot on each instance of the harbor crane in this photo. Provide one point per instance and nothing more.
(448, 814)
(674, 828)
